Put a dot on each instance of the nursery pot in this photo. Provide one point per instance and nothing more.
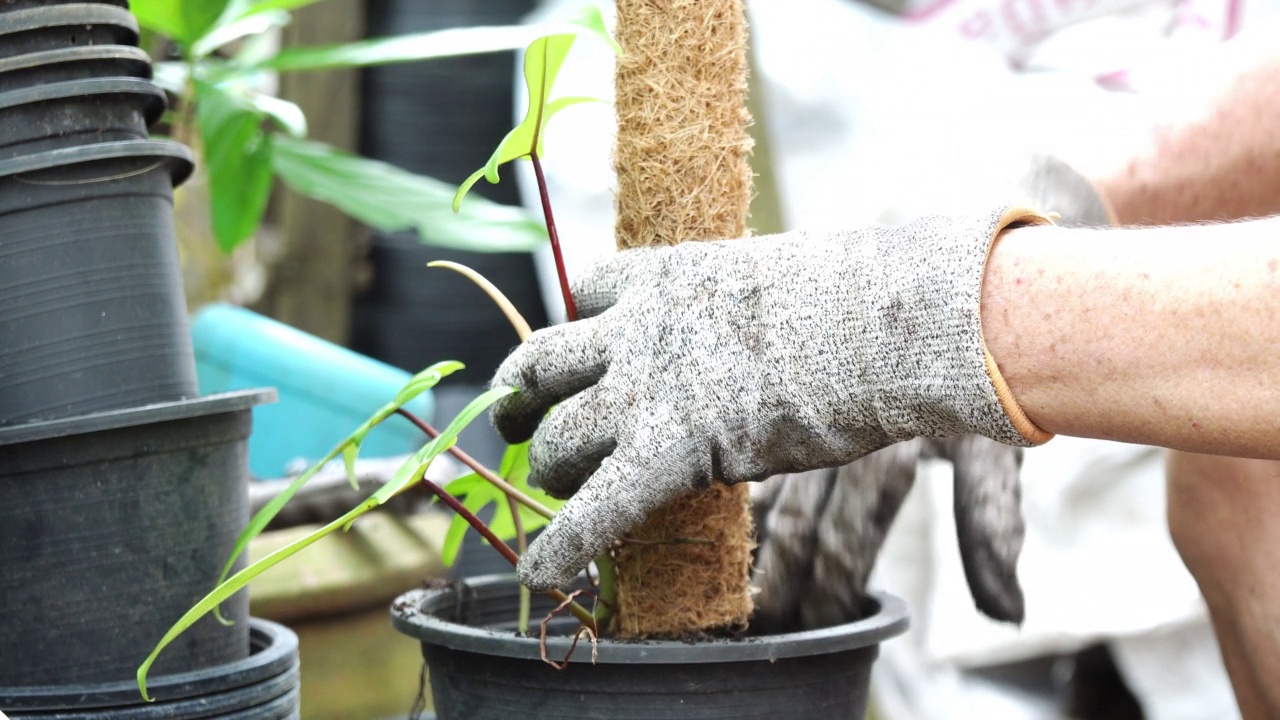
(261, 686)
(113, 525)
(77, 112)
(47, 26)
(91, 304)
(481, 670)
(73, 63)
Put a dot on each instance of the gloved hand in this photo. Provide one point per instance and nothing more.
(732, 361)
(819, 532)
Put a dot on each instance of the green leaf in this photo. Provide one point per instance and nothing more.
(418, 384)
(229, 587)
(542, 62)
(416, 464)
(405, 48)
(228, 32)
(238, 159)
(514, 467)
(388, 198)
(286, 114)
(183, 21)
(248, 8)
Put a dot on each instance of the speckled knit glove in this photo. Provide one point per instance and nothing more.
(819, 532)
(739, 360)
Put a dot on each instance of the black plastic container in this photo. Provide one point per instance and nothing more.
(481, 670)
(262, 686)
(55, 25)
(113, 525)
(77, 112)
(92, 310)
(73, 63)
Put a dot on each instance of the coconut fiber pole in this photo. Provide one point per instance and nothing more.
(684, 175)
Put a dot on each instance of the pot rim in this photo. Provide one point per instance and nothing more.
(409, 617)
(78, 53)
(140, 415)
(68, 15)
(181, 162)
(152, 96)
(273, 652)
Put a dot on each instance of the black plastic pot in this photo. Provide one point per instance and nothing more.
(261, 686)
(73, 63)
(77, 112)
(49, 26)
(92, 311)
(481, 670)
(404, 104)
(113, 525)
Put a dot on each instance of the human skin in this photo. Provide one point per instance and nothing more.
(1217, 160)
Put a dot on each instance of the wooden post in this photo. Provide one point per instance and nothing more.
(684, 174)
(313, 258)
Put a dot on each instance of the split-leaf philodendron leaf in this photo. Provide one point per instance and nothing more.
(542, 61)
(476, 493)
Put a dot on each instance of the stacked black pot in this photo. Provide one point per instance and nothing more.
(121, 490)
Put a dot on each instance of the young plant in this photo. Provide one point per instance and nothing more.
(525, 508)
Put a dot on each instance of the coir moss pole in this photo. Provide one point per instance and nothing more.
(684, 174)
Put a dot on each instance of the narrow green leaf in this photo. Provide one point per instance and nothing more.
(229, 32)
(238, 160)
(447, 438)
(419, 383)
(231, 586)
(286, 114)
(248, 8)
(405, 48)
(226, 588)
(184, 21)
(388, 198)
(349, 454)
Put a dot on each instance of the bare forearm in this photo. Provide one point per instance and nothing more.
(1163, 336)
(1215, 155)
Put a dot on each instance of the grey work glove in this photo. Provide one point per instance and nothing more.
(733, 361)
(819, 532)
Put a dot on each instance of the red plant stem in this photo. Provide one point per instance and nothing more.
(472, 520)
(570, 309)
(583, 615)
(484, 472)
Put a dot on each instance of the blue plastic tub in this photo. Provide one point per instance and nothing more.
(325, 390)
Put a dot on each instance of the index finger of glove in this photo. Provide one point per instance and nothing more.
(600, 285)
(553, 364)
(619, 496)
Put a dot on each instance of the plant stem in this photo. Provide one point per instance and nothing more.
(583, 615)
(570, 310)
(484, 472)
(522, 543)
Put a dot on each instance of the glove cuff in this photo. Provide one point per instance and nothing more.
(1015, 216)
(937, 378)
